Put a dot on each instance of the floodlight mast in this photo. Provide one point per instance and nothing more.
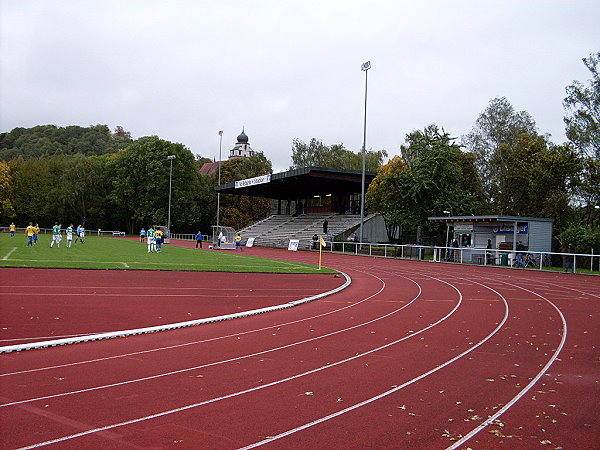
(170, 158)
(364, 67)
(219, 180)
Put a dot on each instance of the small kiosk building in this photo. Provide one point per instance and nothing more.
(504, 232)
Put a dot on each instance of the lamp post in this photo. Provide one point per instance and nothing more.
(364, 67)
(447, 232)
(170, 158)
(219, 179)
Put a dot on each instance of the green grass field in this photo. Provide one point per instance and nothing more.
(111, 253)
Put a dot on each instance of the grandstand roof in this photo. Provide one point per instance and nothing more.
(305, 182)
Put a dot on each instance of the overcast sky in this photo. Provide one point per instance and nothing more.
(183, 70)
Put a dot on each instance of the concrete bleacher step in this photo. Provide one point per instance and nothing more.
(277, 230)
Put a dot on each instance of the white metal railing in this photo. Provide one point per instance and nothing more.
(188, 236)
(21, 230)
(472, 255)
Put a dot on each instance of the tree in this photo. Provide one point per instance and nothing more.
(238, 211)
(537, 178)
(582, 238)
(498, 124)
(121, 134)
(425, 181)
(83, 189)
(588, 192)
(335, 156)
(381, 193)
(7, 210)
(139, 176)
(49, 140)
(582, 107)
(35, 183)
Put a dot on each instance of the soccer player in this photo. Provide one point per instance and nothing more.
(150, 239)
(81, 234)
(69, 231)
(12, 229)
(29, 233)
(142, 234)
(158, 237)
(56, 236)
(36, 231)
(238, 242)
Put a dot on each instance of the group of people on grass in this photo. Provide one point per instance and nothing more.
(32, 232)
(154, 238)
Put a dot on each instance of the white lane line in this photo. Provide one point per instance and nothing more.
(170, 347)
(251, 355)
(527, 388)
(254, 290)
(8, 254)
(95, 294)
(44, 337)
(393, 390)
(256, 388)
(171, 326)
(141, 264)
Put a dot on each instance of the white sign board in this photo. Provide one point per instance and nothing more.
(293, 245)
(252, 181)
(250, 242)
(463, 227)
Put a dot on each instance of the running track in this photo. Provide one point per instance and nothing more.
(411, 355)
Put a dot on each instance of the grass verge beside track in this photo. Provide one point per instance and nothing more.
(114, 253)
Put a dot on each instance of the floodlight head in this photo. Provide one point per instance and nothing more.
(365, 66)
(221, 133)
(171, 157)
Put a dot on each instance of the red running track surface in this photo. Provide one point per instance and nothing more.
(42, 304)
(411, 355)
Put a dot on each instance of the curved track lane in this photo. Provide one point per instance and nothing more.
(412, 355)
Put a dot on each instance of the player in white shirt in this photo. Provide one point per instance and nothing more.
(69, 232)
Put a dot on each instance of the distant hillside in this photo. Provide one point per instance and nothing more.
(50, 139)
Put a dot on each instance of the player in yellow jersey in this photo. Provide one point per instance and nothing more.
(158, 238)
(36, 231)
(29, 231)
(238, 243)
(12, 229)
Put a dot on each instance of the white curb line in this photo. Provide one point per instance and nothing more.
(172, 326)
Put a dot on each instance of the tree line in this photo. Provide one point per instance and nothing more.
(123, 187)
(504, 166)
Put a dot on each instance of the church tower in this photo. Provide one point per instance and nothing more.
(241, 149)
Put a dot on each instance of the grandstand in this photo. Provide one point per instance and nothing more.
(278, 229)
